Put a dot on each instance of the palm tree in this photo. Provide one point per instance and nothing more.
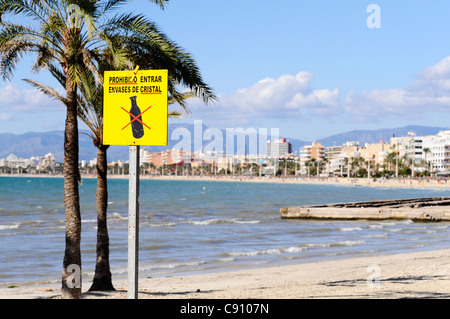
(427, 151)
(90, 111)
(354, 163)
(68, 36)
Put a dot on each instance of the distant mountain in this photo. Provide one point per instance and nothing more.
(38, 144)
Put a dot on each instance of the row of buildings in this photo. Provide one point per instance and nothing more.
(430, 153)
(421, 153)
(32, 164)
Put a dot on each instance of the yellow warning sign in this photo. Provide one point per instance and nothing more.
(135, 107)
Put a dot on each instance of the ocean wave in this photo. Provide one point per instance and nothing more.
(88, 220)
(116, 215)
(349, 228)
(226, 259)
(385, 235)
(356, 252)
(270, 251)
(156, 247)
(273, 251)
(12, 226)
(294, 249)
(223, 221)
(394, 230)
(389, 223)
(31, 222)
(161, 225)
(406, 221)
(345, 243)
(171, 265)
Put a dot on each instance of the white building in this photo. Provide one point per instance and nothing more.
(410, 146)
(144, 156)
(279, 147)
(439, 152)
(433, 150)
(16, 162)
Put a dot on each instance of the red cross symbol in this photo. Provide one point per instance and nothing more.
(136, 118)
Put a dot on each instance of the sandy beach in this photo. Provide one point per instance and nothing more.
(373, 182)
(410, 275)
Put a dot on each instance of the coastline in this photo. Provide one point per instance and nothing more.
(422, 274)
(365, 182)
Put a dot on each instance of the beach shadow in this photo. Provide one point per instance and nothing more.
(424, 295)
(410, 279)
(399, 280)
(175, 293)
(123, 293)
(346, 283)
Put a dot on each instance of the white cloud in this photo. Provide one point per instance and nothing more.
(429, 92)
(5, 117)
(289, 96)
(16, 100)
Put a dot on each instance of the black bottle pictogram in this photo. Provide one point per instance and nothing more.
(136, 127)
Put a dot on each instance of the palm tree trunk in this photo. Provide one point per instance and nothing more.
(71, 275)
(102, 276)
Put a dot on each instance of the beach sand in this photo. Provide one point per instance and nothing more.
(408, 275)
(373, 182)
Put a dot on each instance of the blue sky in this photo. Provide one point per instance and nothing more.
(309, 68)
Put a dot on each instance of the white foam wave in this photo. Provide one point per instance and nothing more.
(226, 259)
(271, 251)
(294, 249)
(12, 226)
(349, 228)
(118, 216)
(172, 265)
(223, 221)
(385, 235)
(255, 252)
(345, 243)
(31, 222)
(160, 225)
(88, 220)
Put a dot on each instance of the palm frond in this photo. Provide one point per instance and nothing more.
(151, 49)
(47, 90)
(175, 114)
(33, 9)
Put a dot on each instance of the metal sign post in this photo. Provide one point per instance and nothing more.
(134, 114)
(133, 223)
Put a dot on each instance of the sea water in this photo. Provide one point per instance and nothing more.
(189, 227)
